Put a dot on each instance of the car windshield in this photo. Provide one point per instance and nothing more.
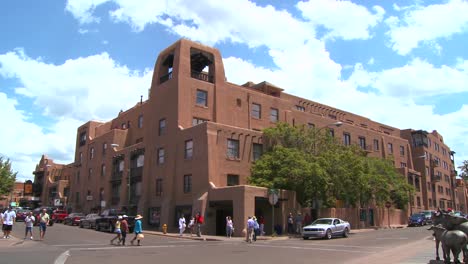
(416, 216)
(322, 222)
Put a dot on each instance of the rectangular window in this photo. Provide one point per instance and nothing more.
(91, 153)
(140, 121)
(346, 139)
(402, 150)
(362, 142)
(232, 180)
(161, 155)
(300, 108)
(402, 165)
(256, 111)
(274, 116)
(257, 150)
(390, 148)
(202, 98)
(233, 148)
(82, 138)
(376, 145)
(159, 187)
(103, 170)
(162, 126)
(197, 121)
(188, 149)
(104, 148)
(332, 132)
(187, 183)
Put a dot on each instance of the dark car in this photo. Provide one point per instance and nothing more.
(21, 215)
(417, 220)
(89, 221)
(73, 219)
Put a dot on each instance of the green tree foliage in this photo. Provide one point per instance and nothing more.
(7, 177)
(464, 170)
(312, 163)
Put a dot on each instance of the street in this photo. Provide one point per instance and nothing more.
(67, 244)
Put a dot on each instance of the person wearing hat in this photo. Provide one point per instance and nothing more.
(117, 230)
(124, 229)
(138, 230)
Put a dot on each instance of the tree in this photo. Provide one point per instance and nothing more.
(464, 170)
(7, 177)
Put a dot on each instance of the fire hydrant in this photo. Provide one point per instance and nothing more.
(164, 228)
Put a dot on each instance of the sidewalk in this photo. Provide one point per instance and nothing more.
(12, 241)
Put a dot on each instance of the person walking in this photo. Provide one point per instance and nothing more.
(298, 223)
(1, 222)
(261, 222)
(138, 230)
(8, 219)
(199, 222)
(124, 229)
(181, 224)
(29, 222)
(118, 230)
(191, 225)
(250, 229)
(44, 219)
(256, 230)
(290, 223)
(229, 227)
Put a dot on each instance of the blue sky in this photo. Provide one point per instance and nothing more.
(403, 63)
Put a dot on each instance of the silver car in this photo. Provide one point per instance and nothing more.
(326, 228)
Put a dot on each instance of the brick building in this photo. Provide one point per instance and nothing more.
(190, 146)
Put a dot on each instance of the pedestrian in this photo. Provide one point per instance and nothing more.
(44, 219)
(298, 223)
(261, 222)
(29, 222)
(124, 228)
(117, 230)
(229, 227)
(250, 229)
(191, 225)
(1, 222)
(138, 230)
(199, 222)
(8, 219)
(256, 230)
(181, 224)
(290, 223)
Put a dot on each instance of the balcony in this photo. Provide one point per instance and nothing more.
(436, 178)
(202, 76)
(435, 163)
(165, 78)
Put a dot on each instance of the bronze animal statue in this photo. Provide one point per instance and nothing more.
(450, 222)
(454, 241)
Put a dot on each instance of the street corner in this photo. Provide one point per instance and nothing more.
(10, 242)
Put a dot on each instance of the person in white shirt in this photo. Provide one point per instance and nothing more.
(8, 220)
(29, 222)
(181, 225)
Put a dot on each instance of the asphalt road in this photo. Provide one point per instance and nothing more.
(66, 244)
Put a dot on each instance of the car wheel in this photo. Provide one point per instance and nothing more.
(346, 232)
(328, 235)
(96, 227)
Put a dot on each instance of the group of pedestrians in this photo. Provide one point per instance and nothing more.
(8, 218)
(121, 229)
(194, 224)
(295, 223)
(254, 228)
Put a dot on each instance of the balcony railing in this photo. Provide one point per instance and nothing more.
(165, 78)
(436, 178)
(202, 76)
(435, 163)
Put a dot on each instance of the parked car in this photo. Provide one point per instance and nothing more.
(326, 228)
(107, 220)
(59, 215)
(428, 215)
(38, 211)
(417, 220)
(73, 219)
(21, 215)
(89, 221)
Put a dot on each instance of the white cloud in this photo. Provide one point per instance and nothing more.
(344, 19)
(83, 10)
(424, 24)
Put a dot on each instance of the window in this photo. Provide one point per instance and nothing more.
(232, 180)
(332, 132)
(187, 183)
(346, 139)
(90, 173)
(402, 165)
(256, 111)
(362, 142)
(233, 149)
(161, 155)
(140, 121)
(159, 187)
(402, 150)
(390, 148)
(197, 121)
(104, 148)
(162, 126)
(376, 145)
(140, 161)
(82, 138)
(300, 108)
(202, 98)
(274, 116)
(124, 126)
(91, 153)
(103, 170)
(188, 149)
(257, 151)
(121, 165)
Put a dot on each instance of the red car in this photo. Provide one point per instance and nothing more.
(59, 215)
(73, 219)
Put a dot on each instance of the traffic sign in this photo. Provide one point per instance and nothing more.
(273, 196)
(57, 202)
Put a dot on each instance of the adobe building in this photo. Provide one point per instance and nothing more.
(16, 196)
(190, 146)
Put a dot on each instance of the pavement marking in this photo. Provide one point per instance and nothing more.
(392, 238)
(129, 247)
(62, 258)
(321, 249)
(103, 244)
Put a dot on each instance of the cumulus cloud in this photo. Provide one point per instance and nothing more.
(343, 19)
(425, 24)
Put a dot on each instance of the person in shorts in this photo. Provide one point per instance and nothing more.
(117, 230)
(44, 219)
(29, 222)
(8, 220)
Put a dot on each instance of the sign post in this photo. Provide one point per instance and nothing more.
(388, 205)
(273, 199)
